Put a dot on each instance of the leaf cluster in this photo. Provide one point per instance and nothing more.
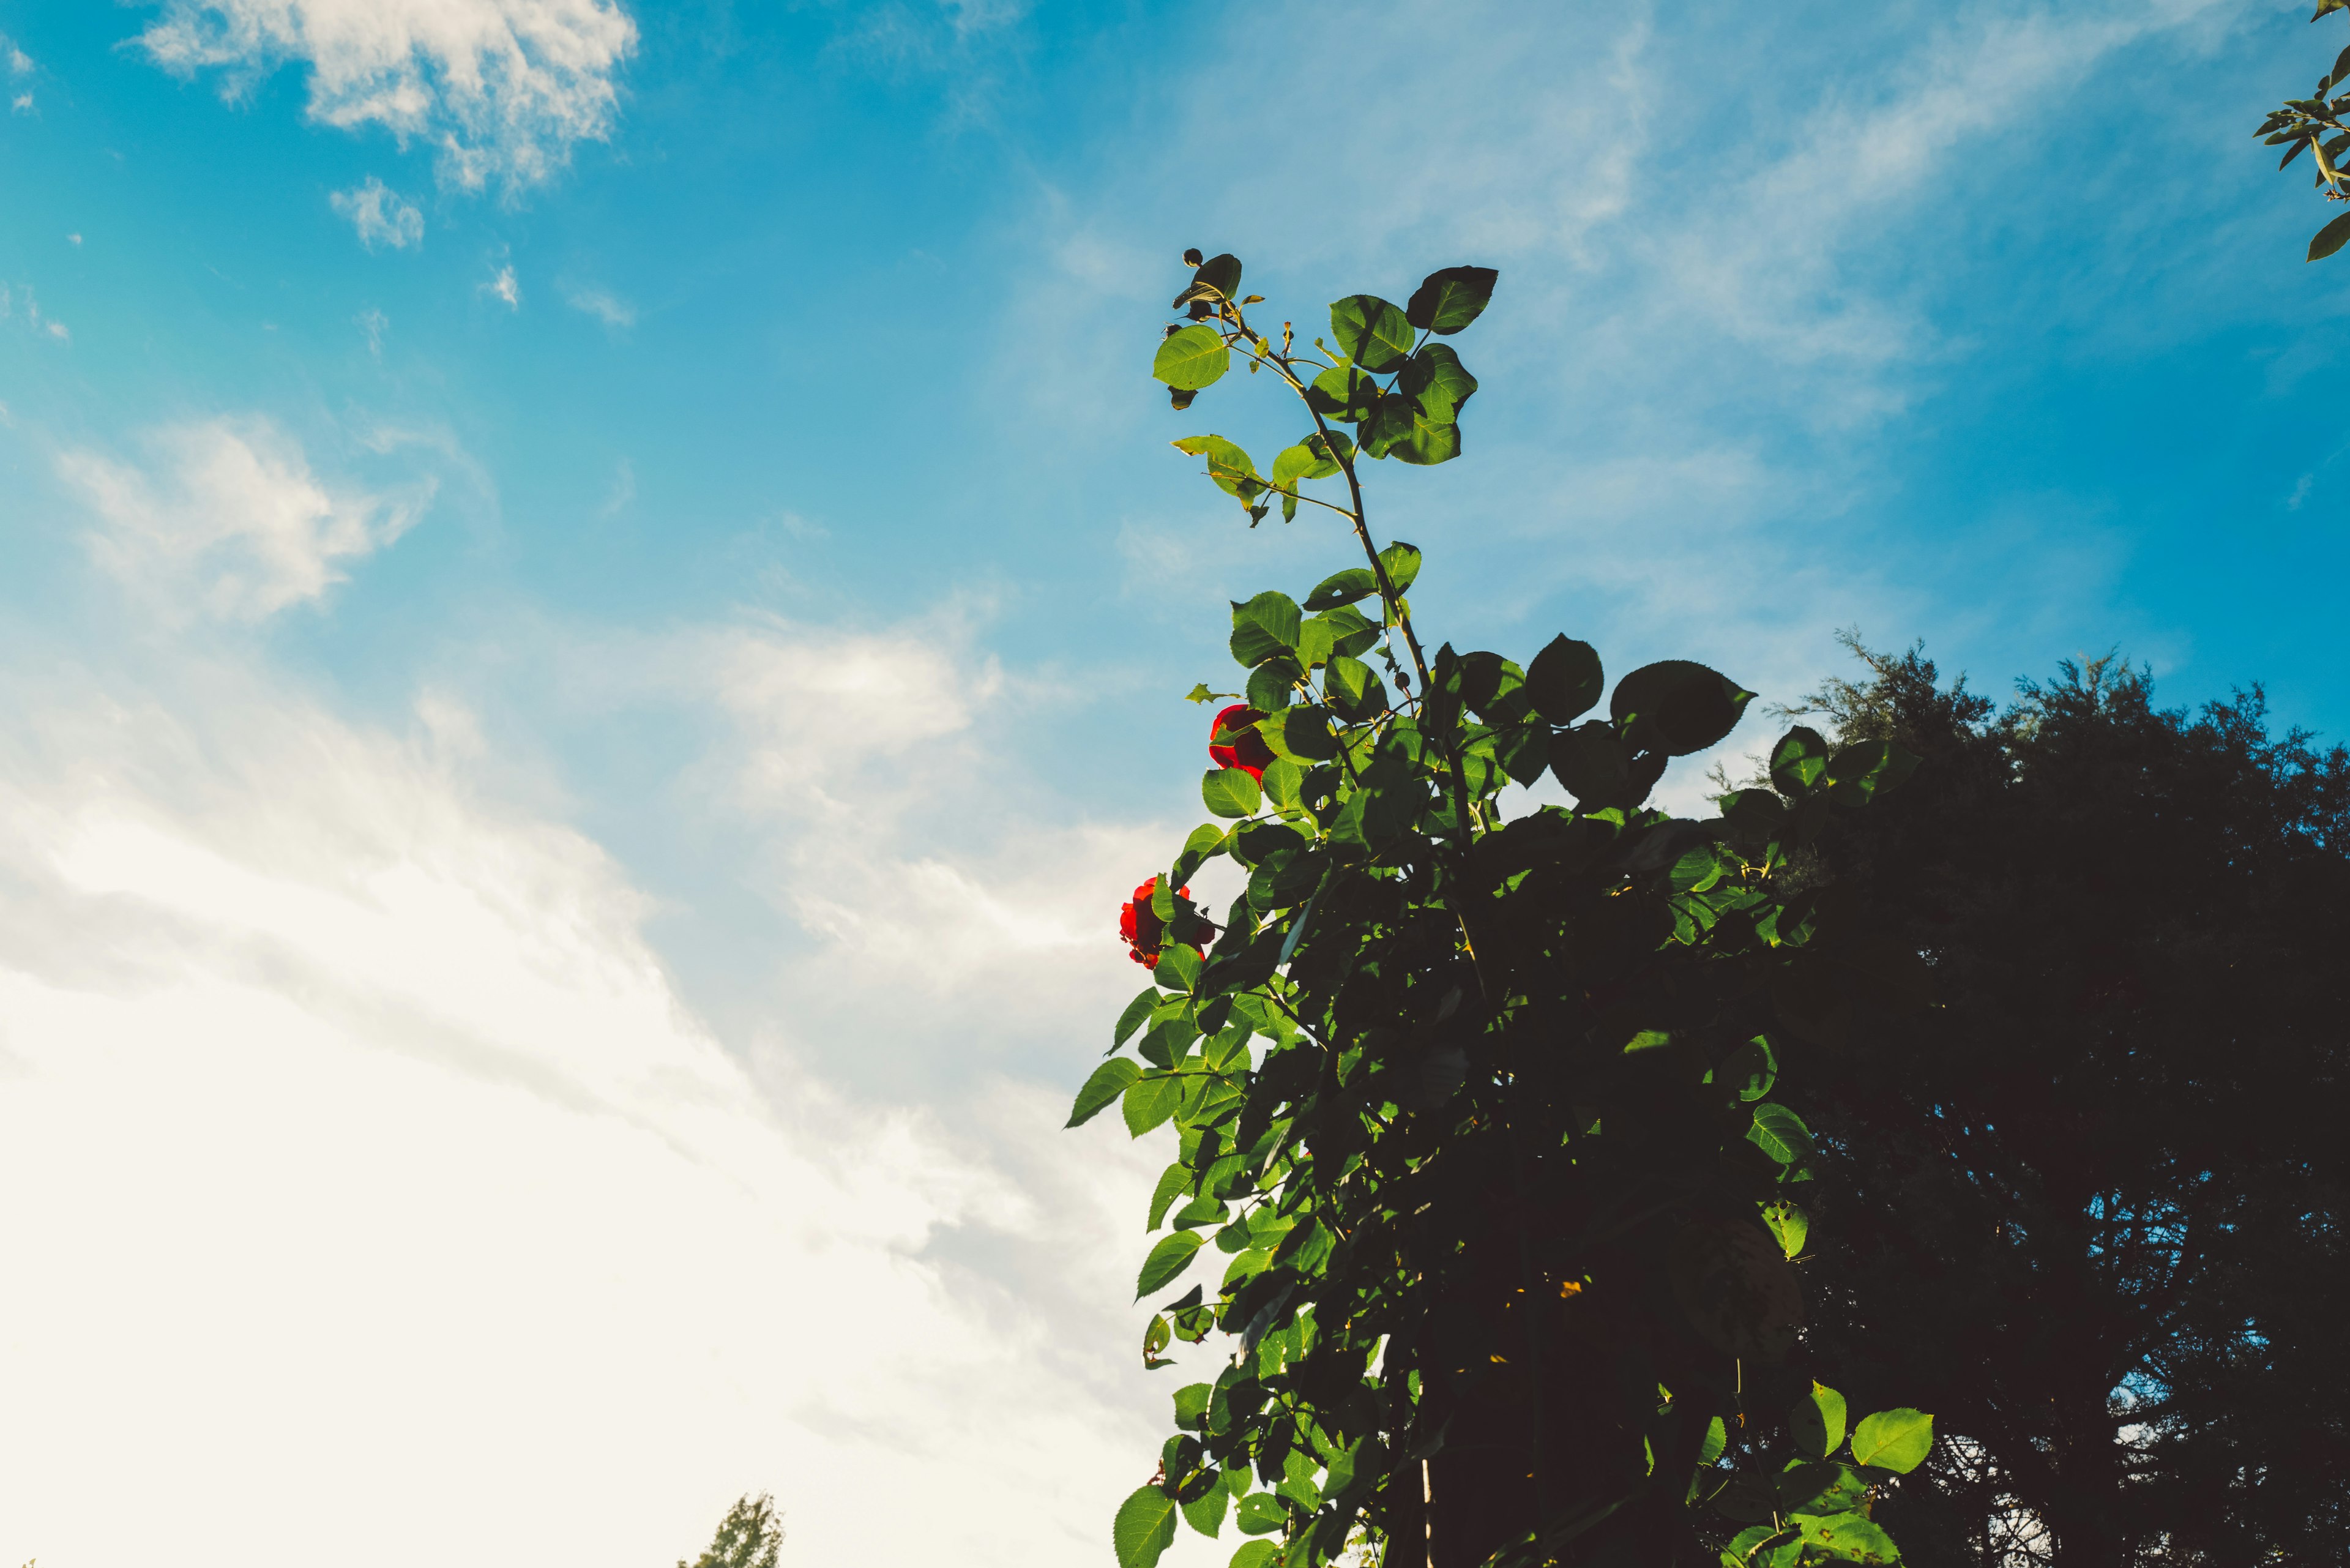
(2315, 123)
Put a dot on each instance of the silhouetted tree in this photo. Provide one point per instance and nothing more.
(2089, 1207)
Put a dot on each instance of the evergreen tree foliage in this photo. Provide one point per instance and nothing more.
(750, 1536)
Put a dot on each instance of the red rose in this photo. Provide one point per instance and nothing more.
(1145, 933)
(1246, 749)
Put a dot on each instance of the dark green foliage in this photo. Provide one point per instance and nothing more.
(2091, 1207)
(750, 1536)
(1476, 1112)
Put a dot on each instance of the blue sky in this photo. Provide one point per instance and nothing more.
(597, 604)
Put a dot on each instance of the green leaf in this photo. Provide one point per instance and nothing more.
(1565, 679)
(1781, 1134)
(1202, 1210)
(1822, 1489)
(1192, 358)
(1403, 564)
(1205, 843)
(1108, 1082)
(1428, 442)
(1343, 393)
(1896, 1440)
(1149, 1102)
(1449, 299)
(1372, 333)
(1217, 279)
(1173, 1182)
(1848, 1538)
(1205, 1512)
(1817, 1422)
(1230, 792)
(1436, 381)
(1135, 1011)
(1736, 1553)
(1143, 1528)
(1349, 586)
(1791, 1225)
(1676, 707)
(1260, 1514)
(1717, 1438)
(1749, 1071)
(1798, 761)
(1167, 1260)
(1233, 471)
(1178, 968)
(1273, 613)
(1353, 688)
(1256, 1553)
(1282, 778)
(1191, 1403)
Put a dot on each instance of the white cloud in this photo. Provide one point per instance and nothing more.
(22, 104)
(228, 517)
(503, 88)
(375, 1155)
(20, 303)
(380, 214)
(73, 239)
(374, 324)
(19, 63)
(602, 303)
(502, 286)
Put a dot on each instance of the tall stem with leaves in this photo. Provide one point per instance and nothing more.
(1477, 1106)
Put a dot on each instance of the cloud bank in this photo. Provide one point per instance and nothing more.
(364, 1150)
(503, 89)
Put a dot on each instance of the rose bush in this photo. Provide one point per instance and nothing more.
(1474, 1096)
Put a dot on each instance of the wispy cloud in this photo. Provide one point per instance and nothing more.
(502, 286)
(20, 64)
(602, 303)
(503, 88)
(226, 519)
(374, 323)
(19, 304)
(380, 214)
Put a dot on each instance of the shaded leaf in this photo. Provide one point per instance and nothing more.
(1451, 298)
(1343, 393)
(1677, 706)
(1817, 1422)
(1349, 586)
(1371, 332)
(1565, 679)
